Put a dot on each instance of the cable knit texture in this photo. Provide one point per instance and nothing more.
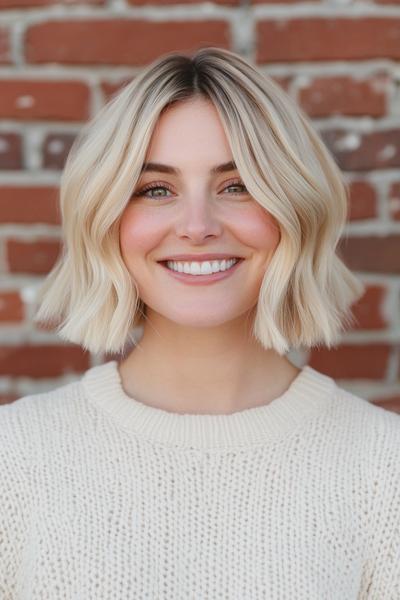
(105, 498)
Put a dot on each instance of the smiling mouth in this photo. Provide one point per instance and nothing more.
(164, 263)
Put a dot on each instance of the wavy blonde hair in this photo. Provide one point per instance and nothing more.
(307, 290)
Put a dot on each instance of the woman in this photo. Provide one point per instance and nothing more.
(200, 206)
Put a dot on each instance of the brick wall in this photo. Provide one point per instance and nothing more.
(59, 62)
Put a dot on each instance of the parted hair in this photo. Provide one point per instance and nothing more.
(307, 291)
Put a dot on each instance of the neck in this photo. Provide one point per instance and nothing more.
(200, 370)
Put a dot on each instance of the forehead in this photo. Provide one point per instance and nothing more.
(189, 133)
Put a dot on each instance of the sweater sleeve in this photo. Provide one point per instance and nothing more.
(384, 526)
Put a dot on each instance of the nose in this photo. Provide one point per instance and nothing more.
(197, 219)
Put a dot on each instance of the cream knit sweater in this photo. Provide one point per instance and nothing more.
(105, 498)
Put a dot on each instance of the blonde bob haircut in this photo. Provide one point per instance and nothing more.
(307, 291)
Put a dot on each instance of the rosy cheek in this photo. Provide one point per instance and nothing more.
(258, 229)
(139, 230)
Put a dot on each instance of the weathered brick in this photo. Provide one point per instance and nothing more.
(356, 151)
(373, 254)
(284, 82)
(33, 3)
(394, 201)
(11, 307)
(172, 2)
(325, 96)
(29, 205)
(119, 41)
(326, 38)
(32, 99)
(368, 309)
(5, 46)
(278, 1)
(392, 404)
(362, 200)
(110, 89)
(32, 257)
(8, 398)
(369, 361)
(10, 151)
(38, 361)
(56, 147)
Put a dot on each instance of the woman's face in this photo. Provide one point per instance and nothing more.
(195, 211)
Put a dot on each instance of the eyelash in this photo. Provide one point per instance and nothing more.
(157, 185)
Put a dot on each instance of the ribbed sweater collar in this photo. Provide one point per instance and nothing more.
(308, 395)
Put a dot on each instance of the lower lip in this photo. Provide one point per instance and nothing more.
(202, 279)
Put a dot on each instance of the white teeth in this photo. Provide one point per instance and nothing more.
(201, 268)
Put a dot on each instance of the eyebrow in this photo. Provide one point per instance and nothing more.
(160, 168)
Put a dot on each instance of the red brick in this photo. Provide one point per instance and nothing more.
(29, 205)
(48, 326)
(356, 151)
(368, 309)
(119, 41)
(33, 3)
(32, 257)
(8, 398)
(326, 38)
(394, 201)
(11, 307)
(58, 100)
(352, 361)
(326, 96)
(279, 1)
(109, 89)
(362, 201)
(373, 254)
(56, 147)
(39, 361)
(10, 151)
(282, 81)
(172, 2)
(5, 47)
(392, 404)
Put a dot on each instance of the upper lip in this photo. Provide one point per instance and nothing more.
(200, 257)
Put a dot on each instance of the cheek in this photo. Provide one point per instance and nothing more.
(258, 229)
(139, 232)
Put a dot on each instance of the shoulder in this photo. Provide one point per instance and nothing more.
(371, 435)
(36, 406)
(364, 435)
(366, 418)
(28, 422)
(352, 418)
